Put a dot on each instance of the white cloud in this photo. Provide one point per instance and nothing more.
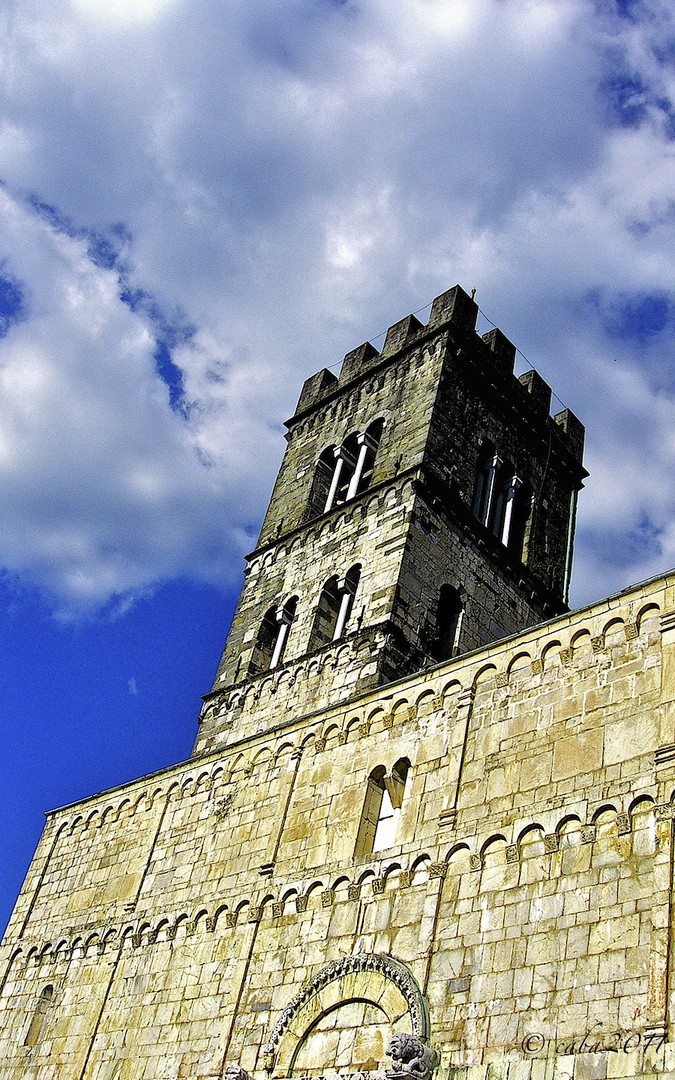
(100, 481)
(121, 11)
(293, 177)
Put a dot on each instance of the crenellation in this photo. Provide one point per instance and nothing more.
(400, 334)
(315, 388)
(538, 390)
(359, 361)
(400, 816)
(503, 351)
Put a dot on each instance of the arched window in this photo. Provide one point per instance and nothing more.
(501, 500)
(264, 643)
(325, 619)
(381, 808)
(321, 482)
(334, 608)
(449, 612)
(345, 471)
(484, 481)
(39, 1017)
(272, 638)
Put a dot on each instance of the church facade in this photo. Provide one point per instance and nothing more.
(427, 826)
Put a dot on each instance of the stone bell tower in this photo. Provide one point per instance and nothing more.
(425, 506)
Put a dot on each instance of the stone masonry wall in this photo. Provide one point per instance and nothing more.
(307, 554)
(439, 389)
(479, 398)
(529, 890)
(406, 553)
(371, 532)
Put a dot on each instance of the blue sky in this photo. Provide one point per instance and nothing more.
(200, 205)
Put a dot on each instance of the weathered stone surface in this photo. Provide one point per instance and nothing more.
(442, 392)
(519, 918)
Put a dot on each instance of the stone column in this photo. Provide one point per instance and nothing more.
(284, 620)
(347, 589)
(365, 444)
(341, 458)
(274, 841)
(508, 510)
(464, 711)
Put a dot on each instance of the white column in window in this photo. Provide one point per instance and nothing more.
(347, 588)
(495, 466)
(284, 619)
(458, 631)
(514, 484)
(574, 497)
(365, 444)
(340, 459)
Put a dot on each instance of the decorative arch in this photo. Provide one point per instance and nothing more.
(613, 632)
(426, 701)
(449, 692)
(606, 808)
(646, 612)
(352, 723)
(641, 805)
(550, 654)
(376, 979)
(520, 662)
(487, 671)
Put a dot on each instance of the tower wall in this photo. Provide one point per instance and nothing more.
(440, 393)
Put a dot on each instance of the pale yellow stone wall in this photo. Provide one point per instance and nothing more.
(371, 535)
(529, 892)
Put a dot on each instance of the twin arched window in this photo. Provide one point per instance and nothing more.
(334, 608)
(330, 621)
(270, 644)
(342, 472)
(381, 808)
(501, 500)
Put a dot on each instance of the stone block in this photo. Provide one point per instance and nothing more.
(577, 754)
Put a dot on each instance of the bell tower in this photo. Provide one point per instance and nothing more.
(425, 506)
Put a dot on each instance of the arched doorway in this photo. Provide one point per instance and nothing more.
(343, 1018)
(352, 1036)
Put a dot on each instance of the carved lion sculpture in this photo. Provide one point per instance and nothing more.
(235, 1072)
(409, 1057)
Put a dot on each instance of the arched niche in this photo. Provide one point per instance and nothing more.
(342, 1019)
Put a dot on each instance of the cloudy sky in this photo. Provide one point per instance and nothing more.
(200, 205)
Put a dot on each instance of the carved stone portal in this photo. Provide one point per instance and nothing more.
(343, 1019)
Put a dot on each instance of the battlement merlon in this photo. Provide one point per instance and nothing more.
(454, 310)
